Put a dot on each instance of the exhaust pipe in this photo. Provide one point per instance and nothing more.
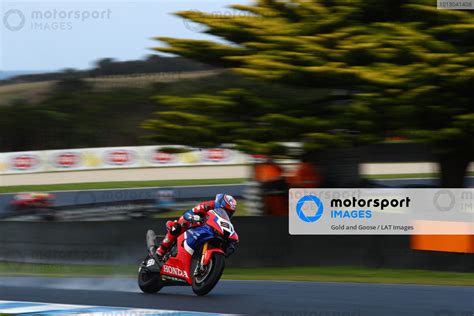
(151, 241)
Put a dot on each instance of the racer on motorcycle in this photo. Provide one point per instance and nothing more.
(193, 218)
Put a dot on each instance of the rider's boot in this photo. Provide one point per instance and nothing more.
(159, 255)
(165, 245)
(159, 259)
(174, 229)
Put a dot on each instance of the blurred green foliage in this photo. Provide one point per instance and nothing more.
(74, 116)
(254, 115)
(80, 113)
(401, 68)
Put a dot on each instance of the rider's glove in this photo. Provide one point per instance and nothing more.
(191, 217)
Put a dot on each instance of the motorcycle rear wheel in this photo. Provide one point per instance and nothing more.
(149, 282)
(203, 285)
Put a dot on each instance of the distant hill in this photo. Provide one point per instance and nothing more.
(36, 91)
(109, 67)
(104, 111)
(10, 74)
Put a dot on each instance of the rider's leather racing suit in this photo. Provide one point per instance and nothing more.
(191, 218)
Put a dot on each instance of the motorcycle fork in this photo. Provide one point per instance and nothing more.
(200, 266)
(204, 250)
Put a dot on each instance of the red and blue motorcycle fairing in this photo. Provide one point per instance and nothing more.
(197, 258)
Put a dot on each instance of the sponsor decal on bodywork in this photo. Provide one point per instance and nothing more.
(175, 271)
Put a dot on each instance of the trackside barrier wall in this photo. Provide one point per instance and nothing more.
(69, 198)
(264, 242)
(115, 157)
(153, 156)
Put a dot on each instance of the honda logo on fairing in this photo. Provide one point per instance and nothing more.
(175, 271)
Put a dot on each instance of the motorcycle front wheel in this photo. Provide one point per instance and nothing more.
(206, 280)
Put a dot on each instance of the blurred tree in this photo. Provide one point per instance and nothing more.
(253, 116)
(105, 67)
(407, 66)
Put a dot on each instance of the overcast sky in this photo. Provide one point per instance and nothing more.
(39, 35)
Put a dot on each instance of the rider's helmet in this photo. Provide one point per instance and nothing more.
(226, 202)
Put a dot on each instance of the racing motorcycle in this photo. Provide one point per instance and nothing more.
(197, 258)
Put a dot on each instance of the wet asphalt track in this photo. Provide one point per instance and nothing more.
(264, 298)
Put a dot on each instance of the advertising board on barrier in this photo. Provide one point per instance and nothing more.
(156, 156)
(120, 157)
(381, 211)
(115, 157)
(22, 162)
(66, 159)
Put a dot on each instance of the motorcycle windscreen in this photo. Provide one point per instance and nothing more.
(222, 213)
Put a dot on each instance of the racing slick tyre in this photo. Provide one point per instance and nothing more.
(149, 282)
(204, 282)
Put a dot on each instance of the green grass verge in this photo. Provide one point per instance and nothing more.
(116, 185)
(407, 175)
(322, 274)
(159, 183)
(353, 274)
